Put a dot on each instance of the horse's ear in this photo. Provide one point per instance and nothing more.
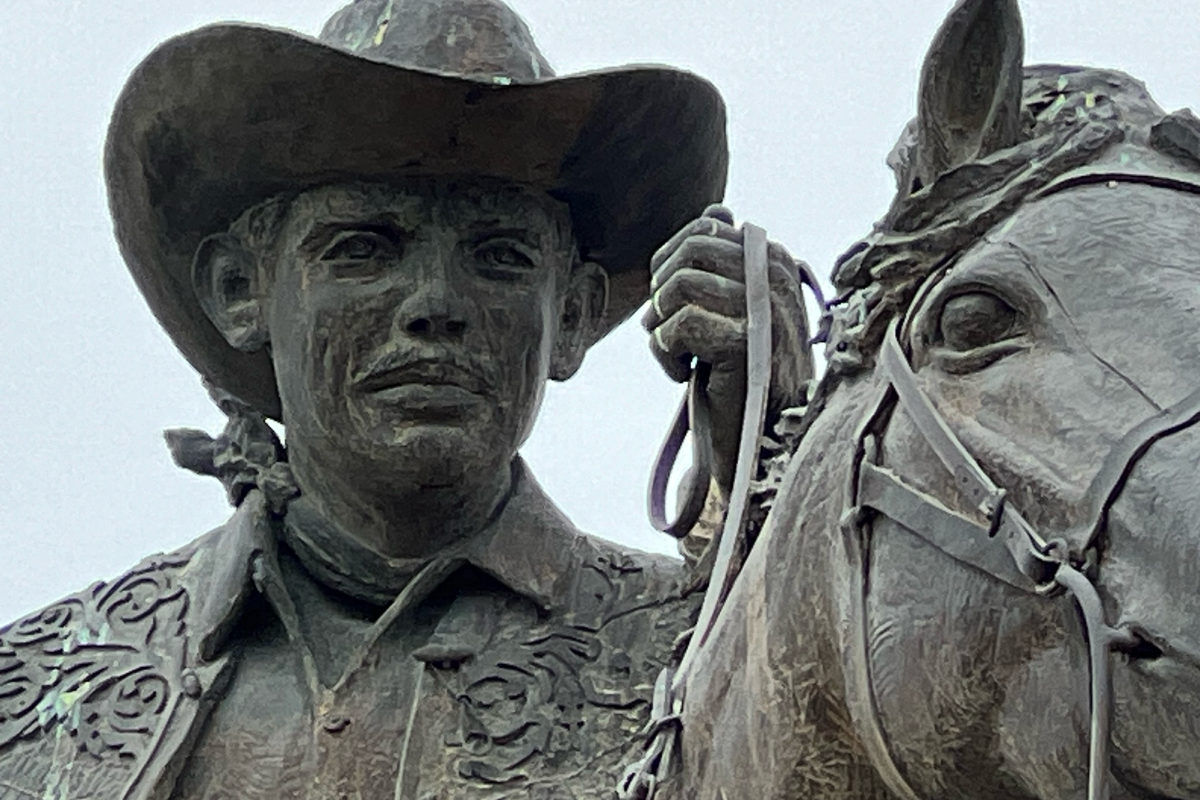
(971, 88)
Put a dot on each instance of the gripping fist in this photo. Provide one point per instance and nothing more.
(698, 311)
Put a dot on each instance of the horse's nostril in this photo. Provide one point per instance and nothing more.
(1134, 644)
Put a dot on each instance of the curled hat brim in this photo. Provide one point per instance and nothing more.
(219, 119)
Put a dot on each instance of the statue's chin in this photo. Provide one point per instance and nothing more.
(431, 455)
(1156, 726)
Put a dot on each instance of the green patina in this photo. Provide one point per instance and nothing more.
(60, 704)
(382, 22)
(58, 777)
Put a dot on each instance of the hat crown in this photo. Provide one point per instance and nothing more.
(480, 39)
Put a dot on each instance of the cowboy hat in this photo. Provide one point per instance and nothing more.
(219, 119)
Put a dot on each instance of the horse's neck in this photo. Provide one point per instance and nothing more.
(796, 588)
(814, 499)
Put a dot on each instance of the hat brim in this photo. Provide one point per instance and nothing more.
(219, 119)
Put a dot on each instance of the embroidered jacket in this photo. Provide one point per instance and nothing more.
(520, 665)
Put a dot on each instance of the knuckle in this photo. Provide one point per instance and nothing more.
(777, 252)
(711, 255)
(719, 211)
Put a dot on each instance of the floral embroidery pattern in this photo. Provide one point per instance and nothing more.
(535, 702)
(95, 664)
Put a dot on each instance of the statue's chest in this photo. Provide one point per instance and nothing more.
(478, 698)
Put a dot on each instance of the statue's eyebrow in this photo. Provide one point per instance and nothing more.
(483, 230)
(390, 226)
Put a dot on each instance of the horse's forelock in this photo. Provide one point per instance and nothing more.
(1072, 117)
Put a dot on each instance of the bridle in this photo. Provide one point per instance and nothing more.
(1006, 547)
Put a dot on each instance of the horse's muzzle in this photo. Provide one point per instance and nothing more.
(1149, 577)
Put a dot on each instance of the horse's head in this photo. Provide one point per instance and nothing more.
(1043, 347)
(1043, 268)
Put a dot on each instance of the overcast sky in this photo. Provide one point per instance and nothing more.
(817, 92)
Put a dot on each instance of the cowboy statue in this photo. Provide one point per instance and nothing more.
(388, 240)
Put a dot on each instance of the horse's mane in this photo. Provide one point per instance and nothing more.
(1072, 117)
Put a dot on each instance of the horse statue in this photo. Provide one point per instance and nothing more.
(979, 573)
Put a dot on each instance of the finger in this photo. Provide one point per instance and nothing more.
(718, 292)
(704, 253)
(786, 289)
(719, 212)
(723, 258)
(703, 226)
(732, 257)
(699, 333)
(778, 253)
(697, 288)
(678, 368)
(783, 277)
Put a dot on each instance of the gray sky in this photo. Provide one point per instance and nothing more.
(817, 93)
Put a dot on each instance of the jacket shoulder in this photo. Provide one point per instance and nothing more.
(88, 682)
(641, 602)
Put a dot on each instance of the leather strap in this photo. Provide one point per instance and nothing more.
(640, 780)
(959, 537)
(693, 414)
(758, 384)
(1123, 457)
(1031, 563)
(856, 539)
(1026, 548)
(860, 684)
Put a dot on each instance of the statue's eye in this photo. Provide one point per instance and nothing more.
(506, 259)
(976, 319)
(354, 247)
(360, 255)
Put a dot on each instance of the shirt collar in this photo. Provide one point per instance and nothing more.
(531, 547)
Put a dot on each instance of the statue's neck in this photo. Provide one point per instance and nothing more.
(400, 520)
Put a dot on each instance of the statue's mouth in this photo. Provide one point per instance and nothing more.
(1154, 667)
(1153, 653)
(430, 373)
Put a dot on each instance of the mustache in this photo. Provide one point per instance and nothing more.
(425, 367)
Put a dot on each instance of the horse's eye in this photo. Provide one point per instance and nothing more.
(976, 319)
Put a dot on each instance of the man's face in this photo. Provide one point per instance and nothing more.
(415, 326)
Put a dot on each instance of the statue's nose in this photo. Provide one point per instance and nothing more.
(434, 309)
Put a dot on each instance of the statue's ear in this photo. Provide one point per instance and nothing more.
(971, 88)
(225, 277)
(581, 316)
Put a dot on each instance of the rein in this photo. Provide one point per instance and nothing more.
(641, 779)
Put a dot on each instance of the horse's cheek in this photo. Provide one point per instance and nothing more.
(951, 650)
(1043, 719)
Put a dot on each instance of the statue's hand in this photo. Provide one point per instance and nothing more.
(698, 310)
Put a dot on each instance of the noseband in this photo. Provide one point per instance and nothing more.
(1006, 546)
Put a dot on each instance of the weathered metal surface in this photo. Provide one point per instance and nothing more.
(1040, 284)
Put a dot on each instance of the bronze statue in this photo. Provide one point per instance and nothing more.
(977, 576)
(388, 239)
